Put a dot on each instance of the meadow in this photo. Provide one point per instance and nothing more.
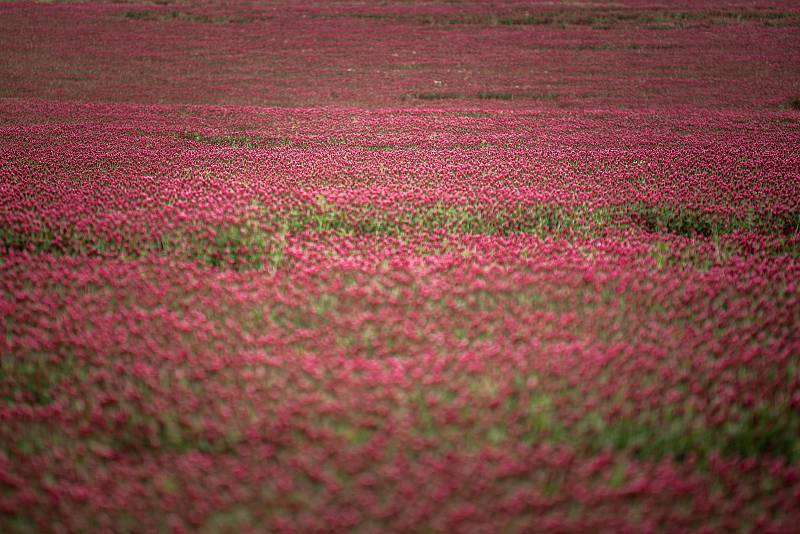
(400, 266)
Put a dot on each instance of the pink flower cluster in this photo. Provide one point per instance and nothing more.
(563, 389)
(706, 54)
(546, 277)
(144, 177)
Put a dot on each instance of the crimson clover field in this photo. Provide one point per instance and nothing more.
(423, 266)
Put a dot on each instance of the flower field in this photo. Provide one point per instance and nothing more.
(400, 267)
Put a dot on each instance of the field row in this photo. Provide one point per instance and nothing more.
(568, 387)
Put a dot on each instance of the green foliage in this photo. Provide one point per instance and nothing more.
(237, 140)
(691, 222)
(227, 521)
(603, 18)
(186, 16)
(259, 239)
(762, 431)
(352, 434)
(434, 95)
(677, 220)
(35, 376)
(542, 422)
(493, 95)
(41, 240)
(19, 523)
(246, 245)
(481, 95)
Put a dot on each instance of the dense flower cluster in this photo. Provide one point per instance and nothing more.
(464, 307)
(144, 179)
(569, 388)
(509, 53)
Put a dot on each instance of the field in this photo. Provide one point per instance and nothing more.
(400, 266)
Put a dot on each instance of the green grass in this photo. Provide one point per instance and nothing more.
(434, 95)
(690, 222)
(604, 18)
(35, 376)
(501, 95)
(186, 16)
(481, 95)
(237, 140)
(757, 432)
(762, 431)
(260, 239)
